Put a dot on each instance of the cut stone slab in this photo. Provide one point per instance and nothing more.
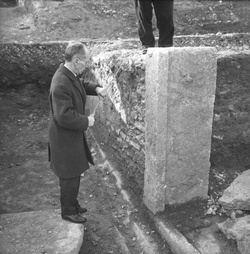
(174, 238)
(39, 232)
(180, 93)
(237, 195)
(238, 230)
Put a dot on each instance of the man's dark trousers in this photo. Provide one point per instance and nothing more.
(69, 189)
(164, 17)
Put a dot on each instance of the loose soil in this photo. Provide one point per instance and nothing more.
(27, 183)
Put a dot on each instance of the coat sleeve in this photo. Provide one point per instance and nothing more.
(63, 111)
(90, 88)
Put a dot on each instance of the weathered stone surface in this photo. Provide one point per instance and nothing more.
(180, 92)
(39, 232)
(237, 195)
(155, 127)
(238, 230)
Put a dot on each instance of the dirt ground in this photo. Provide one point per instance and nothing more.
(68, 19)
(27, 184)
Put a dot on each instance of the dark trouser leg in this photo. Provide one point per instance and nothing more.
(165, 23)
(69, 189)
(144, 14)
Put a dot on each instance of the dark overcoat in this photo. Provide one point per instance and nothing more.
(68, 149)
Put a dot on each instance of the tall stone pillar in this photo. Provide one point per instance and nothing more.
(180, 92)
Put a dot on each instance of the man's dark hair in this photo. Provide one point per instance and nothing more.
(74, 49)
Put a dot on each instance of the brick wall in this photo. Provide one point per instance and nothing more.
(120, 119)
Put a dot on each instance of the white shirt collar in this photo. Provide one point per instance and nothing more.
(70, 70)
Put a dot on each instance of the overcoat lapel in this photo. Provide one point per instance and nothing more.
(78, 85)
(80, 88)
(76, 80)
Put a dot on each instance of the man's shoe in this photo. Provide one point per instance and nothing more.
(75, 218)
(144, 49)
(81, 209)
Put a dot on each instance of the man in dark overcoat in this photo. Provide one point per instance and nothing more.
(69, 154)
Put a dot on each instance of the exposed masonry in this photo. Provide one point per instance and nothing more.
(121, 116)
(122, 120)
(129, 146)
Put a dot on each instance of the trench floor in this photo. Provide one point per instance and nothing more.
(114, 224)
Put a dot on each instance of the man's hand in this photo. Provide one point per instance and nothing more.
(91, 120)
(101, 91)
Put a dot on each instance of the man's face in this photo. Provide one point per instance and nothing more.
(81, 62)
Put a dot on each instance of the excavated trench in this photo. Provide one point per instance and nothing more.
(25, 78)
(29, 185)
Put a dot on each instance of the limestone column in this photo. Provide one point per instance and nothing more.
(180, 92)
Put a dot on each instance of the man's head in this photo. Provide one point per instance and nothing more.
(76, 57)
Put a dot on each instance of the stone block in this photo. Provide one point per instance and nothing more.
(238, 230)
(237, 195)
(39, 232)
(180, 92)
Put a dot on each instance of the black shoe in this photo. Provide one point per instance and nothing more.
(81, 209)
(145, 48)
(75, 218)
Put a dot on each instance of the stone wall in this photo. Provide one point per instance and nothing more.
(124, 127)
(121, 117)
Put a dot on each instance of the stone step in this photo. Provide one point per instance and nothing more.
(39, 232)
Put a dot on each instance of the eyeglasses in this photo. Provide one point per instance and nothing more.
(85, 61)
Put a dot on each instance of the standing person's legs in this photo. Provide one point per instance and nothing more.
(144, 14)
(69, 189)
(164, 16)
